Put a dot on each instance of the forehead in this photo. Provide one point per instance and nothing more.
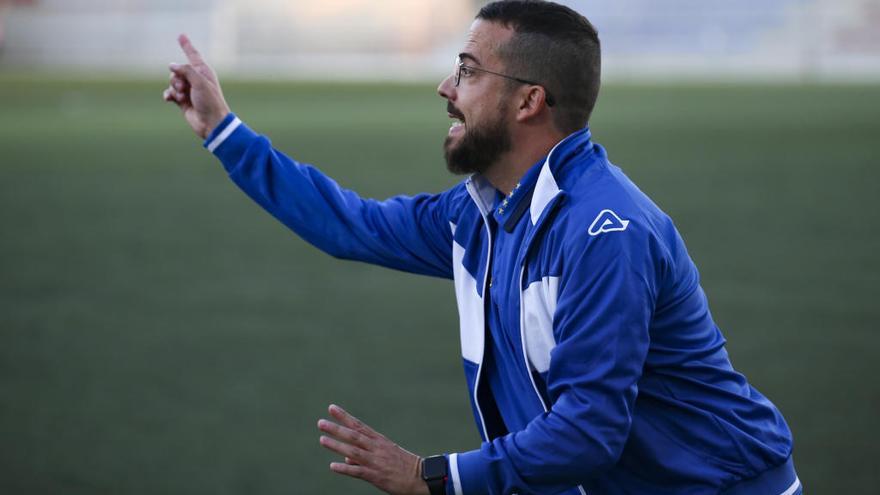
(484, 39)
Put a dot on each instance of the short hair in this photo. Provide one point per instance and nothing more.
(556, 47)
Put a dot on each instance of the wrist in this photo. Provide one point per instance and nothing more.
(214, 120)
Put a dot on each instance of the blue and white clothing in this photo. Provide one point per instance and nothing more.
(592, 361)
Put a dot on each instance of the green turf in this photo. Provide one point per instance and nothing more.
(159, 333)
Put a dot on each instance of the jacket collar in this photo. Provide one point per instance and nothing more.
(536, 188)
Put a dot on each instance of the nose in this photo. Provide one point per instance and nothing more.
(446, 89)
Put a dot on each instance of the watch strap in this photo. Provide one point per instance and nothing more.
(435, 472)
(437, 486)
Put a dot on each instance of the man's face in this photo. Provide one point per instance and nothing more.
(480, 103)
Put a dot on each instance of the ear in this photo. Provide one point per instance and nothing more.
(532, 102)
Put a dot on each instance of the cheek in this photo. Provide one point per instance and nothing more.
(483, 105)
(479, 113)
(473, 100)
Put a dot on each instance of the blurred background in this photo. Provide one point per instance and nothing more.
(159, 333)
(417, 39)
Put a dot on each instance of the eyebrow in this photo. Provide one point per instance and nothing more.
(465, 55)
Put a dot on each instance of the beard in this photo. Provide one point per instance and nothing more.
(479, 148)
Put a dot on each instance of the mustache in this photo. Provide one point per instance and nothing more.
(453, 111)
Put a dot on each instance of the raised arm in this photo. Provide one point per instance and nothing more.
(406, 233)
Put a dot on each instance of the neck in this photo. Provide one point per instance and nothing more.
(512, 165)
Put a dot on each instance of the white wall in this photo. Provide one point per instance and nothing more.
(415, 39)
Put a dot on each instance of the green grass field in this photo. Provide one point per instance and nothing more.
(159, 333)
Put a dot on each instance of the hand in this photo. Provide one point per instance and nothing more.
(195, 89)
(370, 456)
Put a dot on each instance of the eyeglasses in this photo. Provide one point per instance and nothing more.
(461, 67)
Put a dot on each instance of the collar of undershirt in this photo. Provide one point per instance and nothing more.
(509, 209)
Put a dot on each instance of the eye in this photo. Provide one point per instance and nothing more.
(466, 71)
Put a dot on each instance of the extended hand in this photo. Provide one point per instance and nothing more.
(370, 456)
(195, 89)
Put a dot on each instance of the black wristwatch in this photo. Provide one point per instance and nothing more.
(435, 472)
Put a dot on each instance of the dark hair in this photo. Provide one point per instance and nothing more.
(555, 46)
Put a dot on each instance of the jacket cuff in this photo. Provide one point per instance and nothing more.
(453, 484)
(229, 140)
(467, 474)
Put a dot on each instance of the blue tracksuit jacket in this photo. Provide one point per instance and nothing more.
(615, 377)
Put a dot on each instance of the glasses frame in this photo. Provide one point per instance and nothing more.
(461, 65)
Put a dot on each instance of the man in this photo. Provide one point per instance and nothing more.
(593, 363)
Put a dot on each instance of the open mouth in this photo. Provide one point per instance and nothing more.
(458, 121)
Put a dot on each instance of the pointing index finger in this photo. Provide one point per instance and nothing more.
(193, 55)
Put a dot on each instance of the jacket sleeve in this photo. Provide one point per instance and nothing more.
(604, 307)
(405, 233)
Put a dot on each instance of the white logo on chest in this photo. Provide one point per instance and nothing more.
(607, 221)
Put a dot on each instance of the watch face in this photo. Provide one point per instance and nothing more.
(434, 467)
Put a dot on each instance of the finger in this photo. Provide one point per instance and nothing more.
(192, 54)
(354, 471)
(350, 421)
(178, 96)
(178, 70)
(178, 82)
(174, 96)
(345, 434)
(186, 72)
(343, 449)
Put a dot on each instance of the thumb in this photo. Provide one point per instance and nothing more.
(187, 72)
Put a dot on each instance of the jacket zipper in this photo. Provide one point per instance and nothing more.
(480, 367)
(475, 196)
